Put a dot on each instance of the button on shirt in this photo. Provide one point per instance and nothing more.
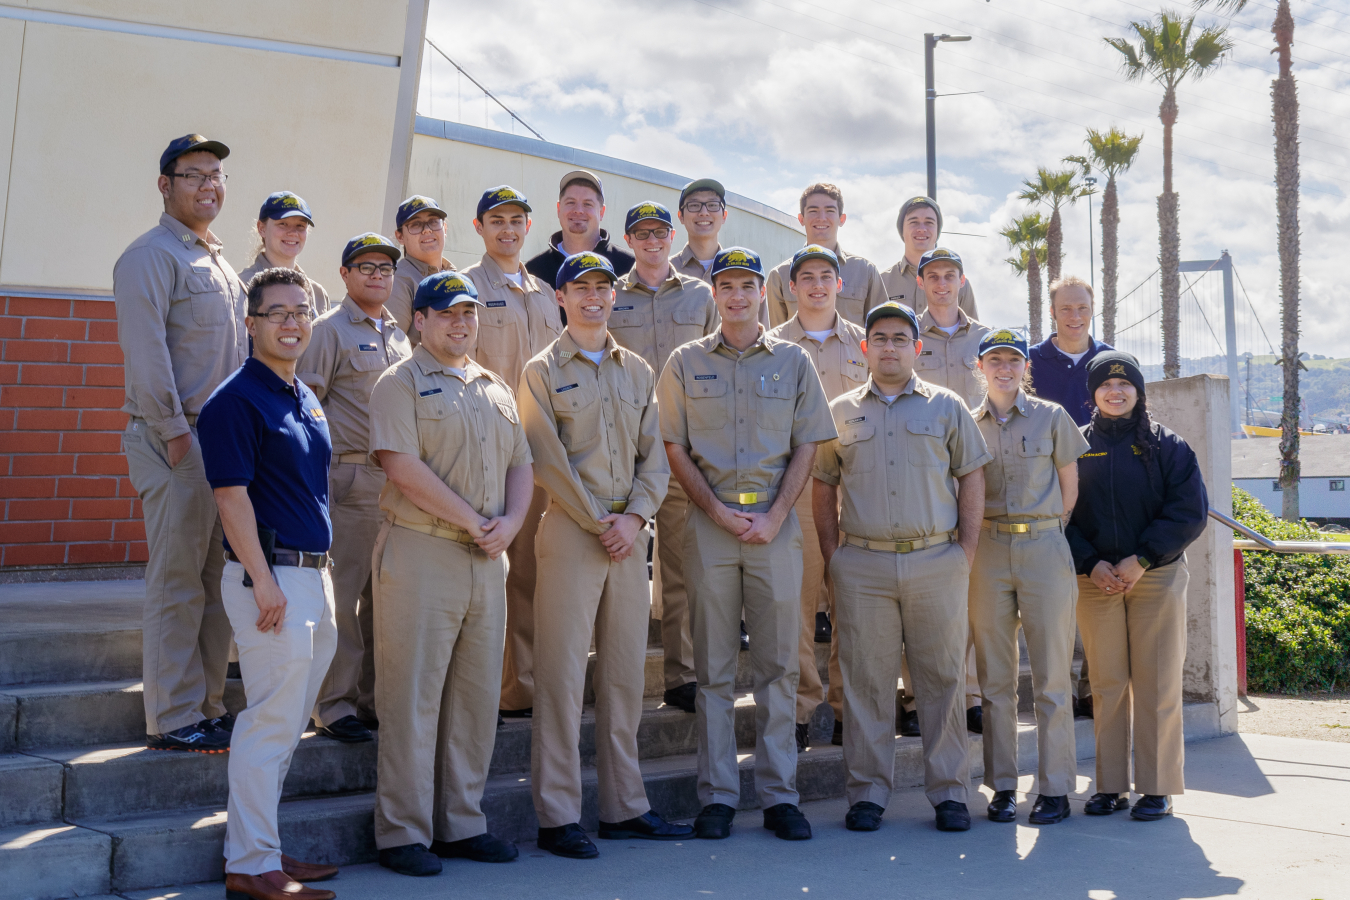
(259, 431)
(1059, 379)
(466, 429)
(862, 290)
(896, 461)
(653, 323)
(949, 360)
(742, 414)
(902, 286)
(839, 361)
(594, 432)
(180, 321)
(1036, 440)
(515, 322)
(408, 274)
(260, 262)
(347, 354)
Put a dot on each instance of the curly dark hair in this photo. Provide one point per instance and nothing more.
(269, 277)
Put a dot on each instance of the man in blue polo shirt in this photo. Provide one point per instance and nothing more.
(266, 448)
(1059, 363)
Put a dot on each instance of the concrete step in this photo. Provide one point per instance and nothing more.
(54, 861)
(81, 631)
(30, 791)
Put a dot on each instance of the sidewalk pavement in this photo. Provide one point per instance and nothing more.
(1262, 817)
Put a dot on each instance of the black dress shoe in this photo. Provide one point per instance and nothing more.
(787, 822)
(803, 736)
(1105, 804)
(863, 816)
(526, 713)
(1082, 709)
(682, 697)
(569, 841)
(1151, 808)
(952, 815)
(824, 630)
(714, 822)
(975, 720)
(908, 723)
(232, 670)
(1003, 808)
(410, 859)
(646, 827)
(479, 848)
(199, 738)
(745, 638)
(347, 729)
(370, 722)
(838, 737)
(1049, 810)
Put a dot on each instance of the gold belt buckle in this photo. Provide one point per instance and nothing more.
(1019, 528)
(618, 506)
(904, 546)
(748, 498)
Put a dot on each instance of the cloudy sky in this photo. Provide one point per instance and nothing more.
(770, 95)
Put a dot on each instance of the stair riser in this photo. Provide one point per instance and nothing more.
(30, 792)
(73, 862)
(70, 656)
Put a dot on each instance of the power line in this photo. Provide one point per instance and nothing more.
(483, 89)
(1256, 317)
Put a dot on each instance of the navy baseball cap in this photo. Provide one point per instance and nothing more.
(703, 184)
(370, 242)
(938, 254)
(414, 205)
(284, 205)
(579, 264)
(813, 251)
(443, 290)
(893, 310)
(910, 204)
(648, 209)
(190, 143)
(1006, 338)
(501, 195)
(736, 258)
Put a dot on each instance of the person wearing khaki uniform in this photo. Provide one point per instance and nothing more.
(419, 225)
(834, 345)
(920, 225)
(180, 323)
(702, 212)
(899, 555)
(589, 411)
(740, 415)
(448, 436)
(349, 350)
(1024, 578)
(283, 228)
(657, 309)
(822, 215)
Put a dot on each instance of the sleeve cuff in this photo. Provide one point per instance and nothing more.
(821, 475)
(985, 459)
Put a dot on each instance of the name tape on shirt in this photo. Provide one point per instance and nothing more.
(855, 421)
(705, 377)
(428, 393)
(495, 303)
(367, 347)
(565, 388)
(622, 308)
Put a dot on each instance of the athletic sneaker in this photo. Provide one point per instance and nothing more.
(199, 738)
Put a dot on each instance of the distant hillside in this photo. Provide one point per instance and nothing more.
(1325, 387)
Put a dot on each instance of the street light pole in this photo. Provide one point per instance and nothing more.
(1091, 182)
(930, 41)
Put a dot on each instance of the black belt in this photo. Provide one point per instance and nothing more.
(283, 557)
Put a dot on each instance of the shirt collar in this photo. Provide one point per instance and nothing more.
(1091, 350)
(602, 244)
(499, 280)
(762, 340)
(423, 269)
(430, 365)
(356, 314)
(187, 237)
(269, 378)
(567, 348)
(928, 323)
(629, 281)
(913, 386)
(1020, 405)
(686, 256)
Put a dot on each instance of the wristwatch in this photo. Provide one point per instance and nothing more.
(1143, 562)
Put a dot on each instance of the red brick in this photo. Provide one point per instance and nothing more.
(26, 533)
(100, 509)
(82, 531)
(138, 551)
(9, 373)
(38, 510)
(104, 376)
(45, 464)
(30, 442)
(87, 352)
(21, 397)
(38, 306)
(99, 464)
(95, 398)
(129, 531)
(97, 553)
(95, 309)
(57, 374)
(85, 442)
(136, 511)
(36, 351)
(55, 329)
(11, 326)
(46, 419)
(103, 332)
(35, 555)
(103, 420)
(125, 488)
(6, 419)
(87, 487)
(44, 488)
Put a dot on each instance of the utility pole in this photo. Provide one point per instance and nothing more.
(930, 41)
(1091, 181)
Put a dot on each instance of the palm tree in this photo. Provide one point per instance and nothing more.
(1054, 189)
(1112, 152)
(1026, 236)
(1168, 53)
(1284, 101)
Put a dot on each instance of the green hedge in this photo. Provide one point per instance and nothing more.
(1298, 609)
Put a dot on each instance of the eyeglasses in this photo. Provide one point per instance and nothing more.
(899, 343)
(195, 180)
(712, 206)
(432, 224)
(370, 268)
(659, 233)
(279, 316)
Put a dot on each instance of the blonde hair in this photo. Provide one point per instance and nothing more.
(1070, 281)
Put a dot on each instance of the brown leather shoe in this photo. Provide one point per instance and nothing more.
(305, 871)
(270, 886)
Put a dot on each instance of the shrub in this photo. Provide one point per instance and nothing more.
(1298, 608)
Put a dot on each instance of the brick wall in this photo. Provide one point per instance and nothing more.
(64, 491)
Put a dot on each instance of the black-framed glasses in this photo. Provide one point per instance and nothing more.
(195, 180)
(712, 206)
(433, 224)
(370, 268)
(279, 316)
(659, 233)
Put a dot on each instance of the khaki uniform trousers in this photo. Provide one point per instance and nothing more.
(816, 592)
(761, 583)
(906, 694)
(885, 599)
(281, 673)
(518, 660)
(440, 617)
(670, 600)
(354, 507)
(586, 592)
(186, 632)
(1027, 580)
(1137, 646)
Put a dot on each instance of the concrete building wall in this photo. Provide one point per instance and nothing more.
(1316, 499)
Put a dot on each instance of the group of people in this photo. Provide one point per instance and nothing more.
(416, 510)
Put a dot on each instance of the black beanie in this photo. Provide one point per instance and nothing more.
(1114, 364)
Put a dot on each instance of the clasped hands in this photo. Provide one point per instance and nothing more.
(1119, 578)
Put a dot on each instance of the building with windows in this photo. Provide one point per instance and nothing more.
(1325, 469)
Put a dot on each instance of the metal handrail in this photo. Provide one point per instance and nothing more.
(1261, 542)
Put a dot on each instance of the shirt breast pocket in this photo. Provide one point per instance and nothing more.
(774, 404)
(928, 361)
(211, 304)
(630, 407)
(439, 421)
(850, 306)
(706, 404)
(577, 409)
(689, 322)
(855, 372)
(625, 318)
(1032, 448)
(856, 450)
(498, 334)
(365, 362)
(925, 445)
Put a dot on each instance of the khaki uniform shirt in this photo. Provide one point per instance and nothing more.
(515, 323)
(408, 274)
(346, 355)
(652, 325)
(742, 414)
(180, 321)
(1038, 439)
(686, 264)
(862, 289)
(949, 360)
(594, 432)
(896, 461)
(901, 282)
(466, 429)
(260, 262)
(839, 361)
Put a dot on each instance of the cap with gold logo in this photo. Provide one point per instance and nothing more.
(414, 205)
(892, 310)
(812, 251)
(941, 254)
(501, 195)
(370, 242)
(190, 143)
(443, 290)
(737, 258)
(284, 205)
(579, 264)
(1114, 364)
(1004, 339)
(647, 209)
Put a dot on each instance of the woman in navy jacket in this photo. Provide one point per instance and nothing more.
(1141, 502)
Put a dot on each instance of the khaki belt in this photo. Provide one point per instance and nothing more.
(1021, 527)
(615, 506)
(901, 546)
(745, 498)
(457, 535)
(283, 557)
(360, 459)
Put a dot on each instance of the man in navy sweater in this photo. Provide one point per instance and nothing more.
(1059, 363)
